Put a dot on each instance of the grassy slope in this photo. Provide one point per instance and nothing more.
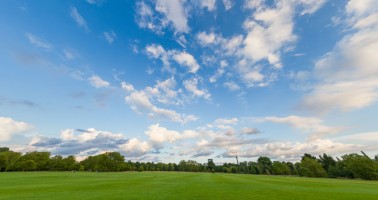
(149, 185)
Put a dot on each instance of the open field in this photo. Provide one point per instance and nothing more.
(160, 185)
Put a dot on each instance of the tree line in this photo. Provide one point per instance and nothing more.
(348, 166)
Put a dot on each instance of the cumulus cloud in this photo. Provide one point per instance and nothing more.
(79, 142)
(294, 150)
(174, 13)
(96, 2)
(135, 148)
(210, 5)
(347, 76)
(163, 92)
(187, 60)
(162, 14)
(183, 58)
(191, 85)
(249, 131)
(38, 42)
(97, 82)
(232, 86)
(9, 127)
(228, 4)
(269, 30)
(110, 36)
(78, 18)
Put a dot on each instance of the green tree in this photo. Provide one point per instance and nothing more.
(4, 149)
(265, 165)
(326, 161)
(311, 168)
(27, 165)
(9, 160)
(361, 166)
(210, 165)
(280, 168)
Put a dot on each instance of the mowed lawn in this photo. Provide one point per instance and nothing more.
(173, 185)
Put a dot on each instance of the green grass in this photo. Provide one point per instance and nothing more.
(173, 185)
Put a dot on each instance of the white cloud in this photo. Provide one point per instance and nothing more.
(366, 138)
(210, 5)
(228, 4)
(68, 54)
(127, 87)
(191, 85)
(311, 6)
(110, 36)
(9, 127)
(145, 18)
(174, 13)
(186, 59)
(269, 30)
(249, 131)
(38, 42)
(311, 125)
(294, 150)
(162, 92)
(348, 75)
(232, 86)
(135, 148)
(96, 2)
(97, 82)
(206, 39)
(224, 121)
(78, 18)
(253, 4)
(181, 57)
(158, 135)
(220, 71)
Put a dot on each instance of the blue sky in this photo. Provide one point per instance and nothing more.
(169, 80)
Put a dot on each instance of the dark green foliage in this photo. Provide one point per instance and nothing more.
(306, 155)
(349, 166)
(311, 168)
(360, 166)
(264, 164)
(280, 168)
(326, 161)
(4, 149)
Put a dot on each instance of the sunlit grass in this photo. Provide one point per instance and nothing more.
(173, 185)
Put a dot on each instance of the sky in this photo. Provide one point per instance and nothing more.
(171, 80)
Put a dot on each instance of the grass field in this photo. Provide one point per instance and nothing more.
(160, 185)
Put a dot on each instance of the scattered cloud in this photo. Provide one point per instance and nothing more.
(38, 42)
(311, 125)
(97, 82)
(210, 5)
(110, 36)
(80, 142)
(96, 2)
(186, 59)
(163, 92)
(294, 150)
(78, 19)
(181, 57)
(249, 131)
(174, 13)
(232, 86)
(9, 127)
(228, 4)
(69, 54)
(191, 85)
(347, 75)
